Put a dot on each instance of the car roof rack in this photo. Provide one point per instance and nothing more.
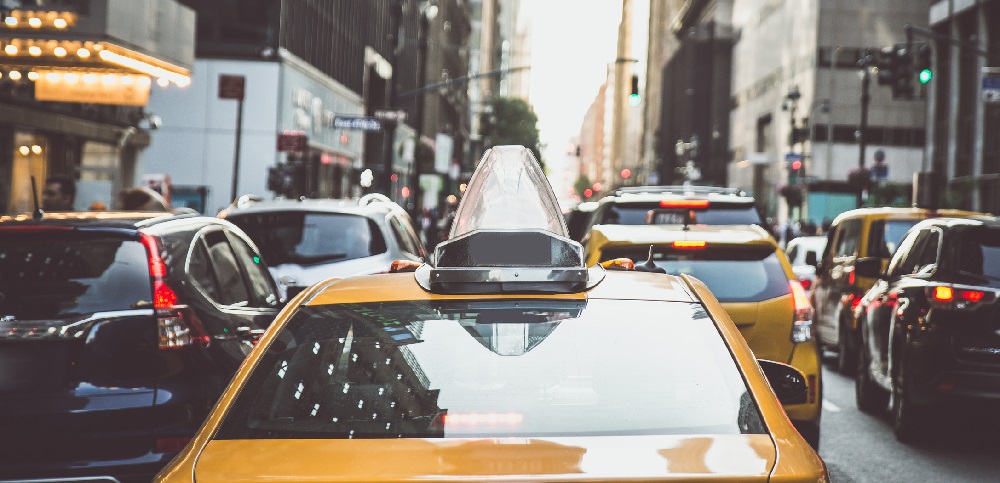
(681, 190)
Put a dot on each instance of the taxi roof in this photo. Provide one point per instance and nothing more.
(902, 213)
(715, 234)
(399, 287)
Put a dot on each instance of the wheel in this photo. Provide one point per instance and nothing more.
(908, 420)
(870, 397)
(809, 432)
(847, 353)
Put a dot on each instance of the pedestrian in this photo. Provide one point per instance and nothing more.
(142, 198)
(59, 193)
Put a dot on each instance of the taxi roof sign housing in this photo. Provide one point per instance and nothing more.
(508, 235)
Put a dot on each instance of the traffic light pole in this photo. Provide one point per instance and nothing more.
(863, 128)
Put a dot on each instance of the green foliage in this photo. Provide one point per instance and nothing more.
(512, 122)
(582, 184)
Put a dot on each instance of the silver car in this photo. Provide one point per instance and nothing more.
(798, 250)
(309, 240)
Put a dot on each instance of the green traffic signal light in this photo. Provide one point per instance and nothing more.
(634, 99)
(925, 76)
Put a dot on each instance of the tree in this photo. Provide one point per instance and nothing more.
(582, 184)
(511, 121)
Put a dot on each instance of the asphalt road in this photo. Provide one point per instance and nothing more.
(858, 447)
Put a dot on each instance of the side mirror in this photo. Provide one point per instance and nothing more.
(787, 382)
(811, 258)
(870, 267)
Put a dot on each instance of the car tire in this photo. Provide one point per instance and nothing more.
(810, 432)
(847, 353)
(869, 396)
(908, 419)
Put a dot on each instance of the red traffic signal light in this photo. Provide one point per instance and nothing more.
(587, 193)
(626, 173)
(796, 165)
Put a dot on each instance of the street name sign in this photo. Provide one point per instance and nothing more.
(357, 123)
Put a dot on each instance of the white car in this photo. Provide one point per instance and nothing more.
(307, 241)
(798, 251)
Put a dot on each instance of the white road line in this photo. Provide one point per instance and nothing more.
(829, 406)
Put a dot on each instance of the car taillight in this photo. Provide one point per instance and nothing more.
(689, 245)
(685, 204)
(806, 283)
(178, 325)
(853, 299)
(802, 324)
(959, 298)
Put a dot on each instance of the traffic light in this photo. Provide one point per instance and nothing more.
(922, 64)
(895, 69)
(633, 98)
(795, 171)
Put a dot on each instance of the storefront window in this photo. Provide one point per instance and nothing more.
(98, 167)
(30, 160)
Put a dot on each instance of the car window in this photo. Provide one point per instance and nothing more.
(261, 284)
(929, 255)
(793, 254)
(884, 236)
(50, 275)
(503, 368)
(201, 272)
(979, 253)
(761, 276)
(232, 288)
(306, 238)
(717, 214)
(847, 239)
(907, 262)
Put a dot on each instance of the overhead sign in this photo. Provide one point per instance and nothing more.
(92, 88)
(357, 123)
(292, 141)
(991, 85)
(231, 86)
(393, 115)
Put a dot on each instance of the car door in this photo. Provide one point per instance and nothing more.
(834, 278)
(263, 304)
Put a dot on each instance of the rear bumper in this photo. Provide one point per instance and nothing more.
(941, 373)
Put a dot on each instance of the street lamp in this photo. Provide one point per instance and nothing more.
(428, 11)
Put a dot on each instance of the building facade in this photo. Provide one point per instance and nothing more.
(75, 78)
(795, 70)
(963, 117)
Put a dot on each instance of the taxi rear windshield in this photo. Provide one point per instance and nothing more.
(305, 238)
(716, 214)
(742, 274)
(451, 369)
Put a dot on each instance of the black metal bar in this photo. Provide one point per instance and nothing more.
(236, 156)
(923, 32)
(458, 80)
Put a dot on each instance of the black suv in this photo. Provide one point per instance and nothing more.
(930, 325)
(118, 332)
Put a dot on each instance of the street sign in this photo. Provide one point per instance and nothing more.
(357, 123)
(991, 85)
(393, 115)
(793, 157)
(231, 86)
(292, 141)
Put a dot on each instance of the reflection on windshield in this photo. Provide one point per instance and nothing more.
(508, 368)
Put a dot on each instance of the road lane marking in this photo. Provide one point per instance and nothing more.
(829, 406)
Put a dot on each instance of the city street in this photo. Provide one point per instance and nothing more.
(859, 447)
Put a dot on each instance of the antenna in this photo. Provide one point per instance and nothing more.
(37, 213)
(649, 265)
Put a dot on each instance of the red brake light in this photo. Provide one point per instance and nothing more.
(971, 295)
(850, 278)
(806, 283)
(944, 294)
(689, 245)
(855, 301)
(799, 295)
(157, 269)
(164, 297)
(685, 204)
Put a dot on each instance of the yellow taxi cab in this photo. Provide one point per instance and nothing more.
(506, 360)
(750, 275)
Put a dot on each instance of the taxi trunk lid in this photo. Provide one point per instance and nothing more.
(766, 326)
(614, 458)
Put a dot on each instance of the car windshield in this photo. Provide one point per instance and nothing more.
(460, 368)
(718, 214)
(306, 238)
(733, 275)
(64, 273)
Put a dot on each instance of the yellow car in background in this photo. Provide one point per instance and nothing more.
(750, 275)
(506, 360)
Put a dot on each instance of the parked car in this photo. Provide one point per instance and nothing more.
(118, 332)
(929, 324)
(749, 274)
(857, 234)
(506, 360)
(310, 240)
(803, 252)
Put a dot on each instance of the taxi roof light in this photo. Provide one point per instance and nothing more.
(508, 235)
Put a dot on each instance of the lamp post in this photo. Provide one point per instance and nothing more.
(864, 65)
(428, 11)
(790, 103)
(389, 135)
